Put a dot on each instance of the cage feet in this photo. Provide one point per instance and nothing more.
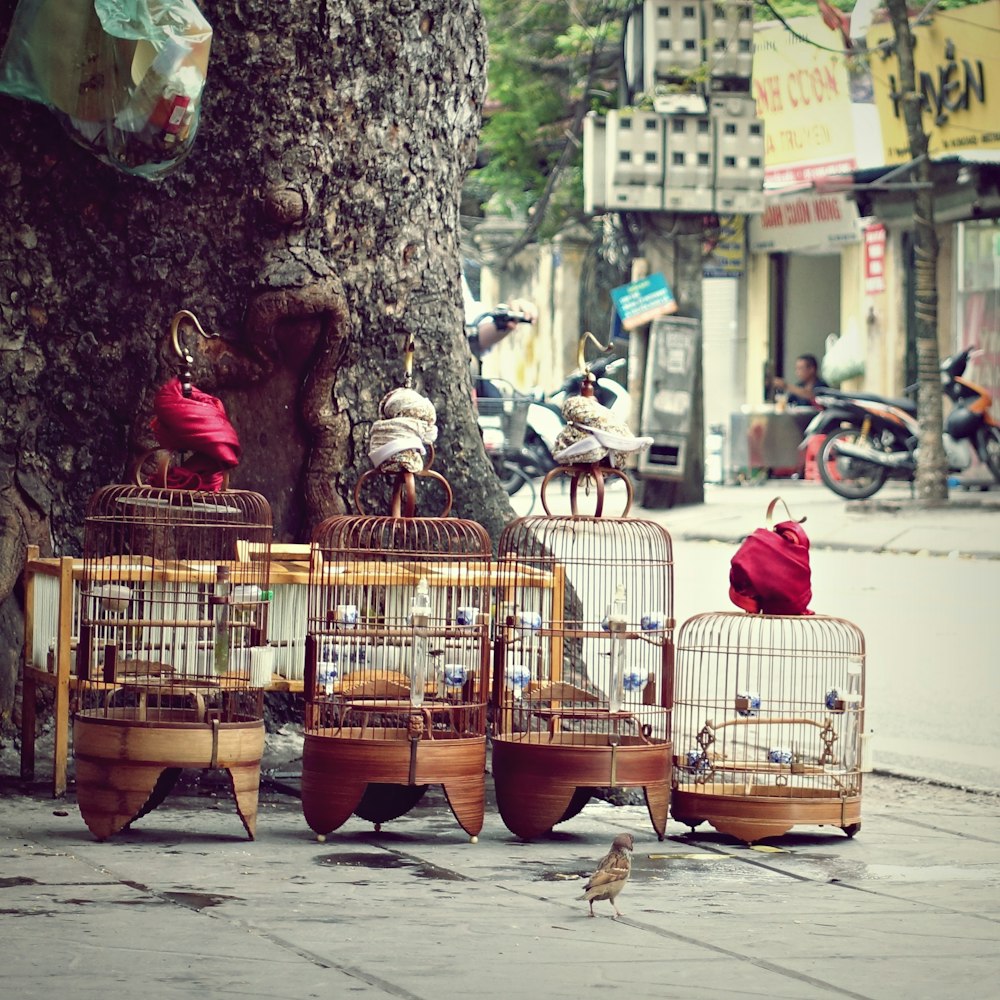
(328, 802)
(851, 829)
(112, 797)
(245, 783)
(529, 811)
(658, 804)
(467, 798)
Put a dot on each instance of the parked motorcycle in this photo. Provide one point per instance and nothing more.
(871, 439)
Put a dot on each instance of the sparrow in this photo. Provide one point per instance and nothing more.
(611, 874)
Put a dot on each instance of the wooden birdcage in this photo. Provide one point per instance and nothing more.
(768, 723)
(396, 675)
(171, 654)
(583, 663)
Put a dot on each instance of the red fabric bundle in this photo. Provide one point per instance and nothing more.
(197, 424)
(770, 572)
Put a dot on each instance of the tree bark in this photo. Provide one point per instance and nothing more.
(313, 227)
(931, 481)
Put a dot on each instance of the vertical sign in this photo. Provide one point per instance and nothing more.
(874, 259)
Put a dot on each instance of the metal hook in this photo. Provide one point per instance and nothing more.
(180, 350)
(409, 350)
(581, 350)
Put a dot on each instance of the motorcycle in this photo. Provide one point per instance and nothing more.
(520, 430)
(871, 439)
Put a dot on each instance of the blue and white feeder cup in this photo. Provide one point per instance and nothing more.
(747, 703)
(697, 761)
(347, 614)
(652, 621)
(634, 681)
(529, 619)
(779, 755)
(519, 678)
(454, 674)
(834, 701)
(467, 616)
(326, 676)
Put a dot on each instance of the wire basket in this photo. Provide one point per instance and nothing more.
(510, 413)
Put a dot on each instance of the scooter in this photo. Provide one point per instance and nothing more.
(876, 439)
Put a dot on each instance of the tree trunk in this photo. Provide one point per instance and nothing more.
(931, 481)
(312, 228)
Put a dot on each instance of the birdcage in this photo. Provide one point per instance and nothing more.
(583, 661)
(396, 668)
(768, 723)
(171, 655)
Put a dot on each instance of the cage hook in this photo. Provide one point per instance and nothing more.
(180, 349)
(581, 354)
(408, 352)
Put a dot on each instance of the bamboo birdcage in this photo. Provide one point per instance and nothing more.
(768, 723)
(583, 666)
(396, 677)
(171, 655)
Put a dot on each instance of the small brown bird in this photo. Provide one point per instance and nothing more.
(611, 874)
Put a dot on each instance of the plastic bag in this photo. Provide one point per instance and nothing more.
(770, 572)
(844, 357)
(124, 77)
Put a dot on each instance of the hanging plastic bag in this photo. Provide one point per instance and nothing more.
(124, 77)
(770, 572)
(844, 357)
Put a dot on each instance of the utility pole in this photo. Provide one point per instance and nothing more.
(931, 481)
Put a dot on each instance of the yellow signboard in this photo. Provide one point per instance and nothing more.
(803, 93)
(958, 76)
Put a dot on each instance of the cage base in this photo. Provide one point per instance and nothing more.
(339, 766)
(541, 784)
(126, 768)
(766, 811)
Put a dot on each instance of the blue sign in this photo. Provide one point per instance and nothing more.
(640, 302)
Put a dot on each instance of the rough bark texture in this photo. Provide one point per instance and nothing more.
(313, 226)
(931, 484)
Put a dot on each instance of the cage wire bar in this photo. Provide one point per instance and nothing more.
(769, 723)
(171, 655)
(397, 668)
(583, 667)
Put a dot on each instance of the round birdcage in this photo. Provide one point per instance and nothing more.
(171, 655)
(397, 668)
(583, 655)
(768, 723)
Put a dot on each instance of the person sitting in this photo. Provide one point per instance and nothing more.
(808, 381)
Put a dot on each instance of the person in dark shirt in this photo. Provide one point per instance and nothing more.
(808, 380)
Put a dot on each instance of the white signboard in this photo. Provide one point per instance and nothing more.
(819, 222)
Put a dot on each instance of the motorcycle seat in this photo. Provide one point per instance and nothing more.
(903, 404)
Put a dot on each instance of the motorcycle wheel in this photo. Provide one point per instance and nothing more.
(538, 461)
(511, 476)
(988, 446)
(851, 478)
